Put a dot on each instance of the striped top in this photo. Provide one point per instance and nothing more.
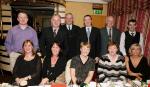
(111, 71)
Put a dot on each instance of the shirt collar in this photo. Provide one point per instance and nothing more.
(55, 29)
(69, 26)
(132, 32)
(27, 27)
(88, 28)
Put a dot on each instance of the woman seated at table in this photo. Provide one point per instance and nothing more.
(28, 66)
(82, 66)
(137, 65)
(111, 66)
(54, 66)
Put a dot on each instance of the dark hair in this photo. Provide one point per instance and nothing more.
(28, 41)
(24, 12)
(59, 45)
(131, 20)
(112, 43)
(88, 16)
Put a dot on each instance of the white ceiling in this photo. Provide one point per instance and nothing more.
(90, 1)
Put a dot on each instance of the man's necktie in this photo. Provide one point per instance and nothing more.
(132, 34)
(110, 34)
(88, 34)
(69, 28)
(54, 33)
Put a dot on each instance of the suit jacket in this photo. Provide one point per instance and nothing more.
(47, 38)
(73, 41)
(94, 41)
(105, 38)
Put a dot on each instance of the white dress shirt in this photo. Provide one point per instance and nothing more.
(88, 28)
(122, 42)
(69, 27)
(108, 29)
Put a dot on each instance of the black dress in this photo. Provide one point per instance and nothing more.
(53, 72)
(142, 68)
(24, 68)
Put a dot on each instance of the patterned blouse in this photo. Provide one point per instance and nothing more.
(111, 71)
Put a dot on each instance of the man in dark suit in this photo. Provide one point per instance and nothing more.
(109, 33)
(53, 33)
(72, 36)
(91, 34)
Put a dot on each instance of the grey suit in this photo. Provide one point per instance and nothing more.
(105, 38)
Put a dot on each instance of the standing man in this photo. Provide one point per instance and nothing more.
(72, 36)
(91, 34)
(109, 33)
(17, 35)
(130, 37)
(54, 33)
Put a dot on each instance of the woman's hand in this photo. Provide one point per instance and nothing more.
(27, 78)
(52, 82)
(18, 80)
(138, 76)
(44, 81)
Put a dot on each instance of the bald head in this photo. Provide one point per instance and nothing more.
(110, 21)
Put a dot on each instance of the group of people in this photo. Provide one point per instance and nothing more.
(94, 54)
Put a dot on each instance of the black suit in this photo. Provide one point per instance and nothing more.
(73, 40)
(94, 40)
(47, 38)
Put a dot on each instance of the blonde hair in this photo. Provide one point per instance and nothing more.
(87, 44)
(133, 46)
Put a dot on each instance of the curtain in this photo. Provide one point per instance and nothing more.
(124, 10)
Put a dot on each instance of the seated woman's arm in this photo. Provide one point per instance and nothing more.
(89, 77)
(73, 77)
(16, 70)
(37, 75)
(58, 69)
(130, 73)
(45, 79)
(145, 71)
(91, 72)
(123, 71)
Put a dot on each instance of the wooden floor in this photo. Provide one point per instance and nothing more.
(5, 76)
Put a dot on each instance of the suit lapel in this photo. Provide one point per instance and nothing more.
(58, 33)
(85, 34)
(113, 33)
(91, 34)
(106, 33)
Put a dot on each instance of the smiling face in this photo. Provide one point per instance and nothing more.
(85, 50)
(87, 21)
(112, 49)
(55, 21)
(135, 50)
(22, 18)
(55, 49)
(28, 47)
(132, 26)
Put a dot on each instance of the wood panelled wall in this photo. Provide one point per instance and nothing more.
(6, 25)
